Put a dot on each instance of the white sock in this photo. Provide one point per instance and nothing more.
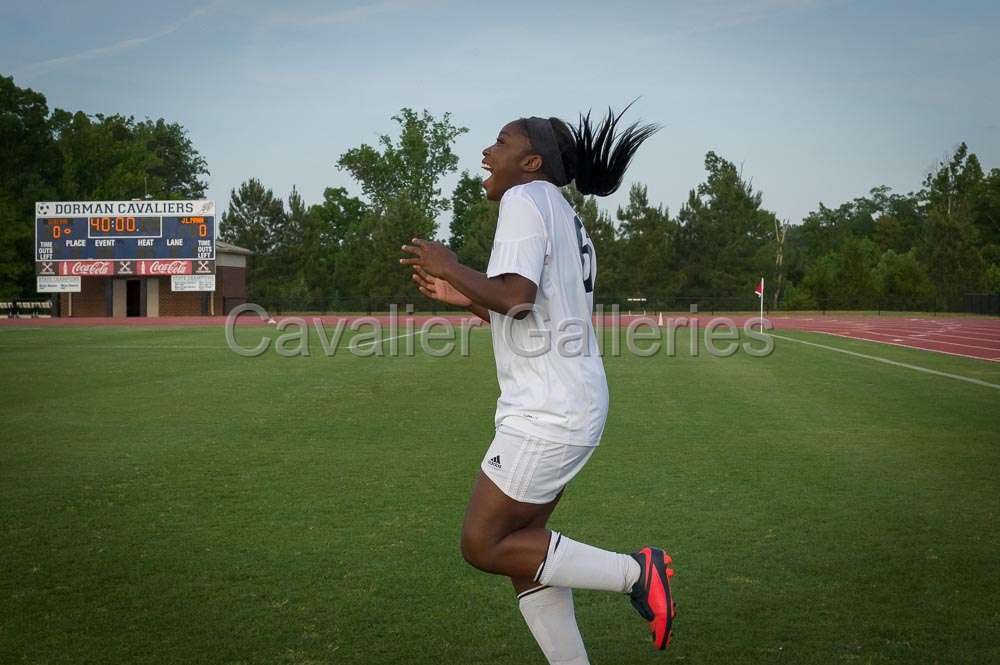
(579, 566)
(548, 611)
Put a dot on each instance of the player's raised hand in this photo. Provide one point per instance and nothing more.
(439, 289)
(433, 257)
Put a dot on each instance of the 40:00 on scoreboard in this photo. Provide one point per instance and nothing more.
(108, 227)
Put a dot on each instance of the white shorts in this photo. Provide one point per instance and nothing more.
(529, 469)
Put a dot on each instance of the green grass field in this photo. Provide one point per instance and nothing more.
(163, 500)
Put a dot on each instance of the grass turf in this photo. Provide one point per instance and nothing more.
(163, 500)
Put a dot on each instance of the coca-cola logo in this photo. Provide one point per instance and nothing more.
(90, 268)
(168, 267)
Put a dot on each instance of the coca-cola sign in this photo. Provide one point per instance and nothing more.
(164, 267)
(87, 268)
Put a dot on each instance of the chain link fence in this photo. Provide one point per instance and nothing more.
(627, 304)
(975, 303)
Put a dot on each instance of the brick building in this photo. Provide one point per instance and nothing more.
(152, 296)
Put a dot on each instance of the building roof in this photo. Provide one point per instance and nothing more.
(227, 248)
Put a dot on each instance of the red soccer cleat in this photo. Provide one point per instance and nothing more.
(650, 595)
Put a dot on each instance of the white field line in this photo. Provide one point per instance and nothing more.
(374, 342)
(978, 382)
(114, 347)
(117, 347)
(181, 347)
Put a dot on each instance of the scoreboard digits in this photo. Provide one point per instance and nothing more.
(59, 228)
(125, 227)
(121, 224)
(198, 223)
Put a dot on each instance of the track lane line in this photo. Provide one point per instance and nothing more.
(933, 341)
(910, 346)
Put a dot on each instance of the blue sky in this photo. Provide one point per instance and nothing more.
(816, 100)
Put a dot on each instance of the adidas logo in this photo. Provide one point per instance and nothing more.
(495, 462)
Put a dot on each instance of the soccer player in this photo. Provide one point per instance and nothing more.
(553, 399)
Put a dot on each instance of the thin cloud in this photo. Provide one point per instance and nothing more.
(348, 15)
(725, 14)
(46, 66)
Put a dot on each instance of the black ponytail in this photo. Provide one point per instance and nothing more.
(598, 158)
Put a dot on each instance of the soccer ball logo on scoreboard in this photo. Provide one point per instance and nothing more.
(77, 237)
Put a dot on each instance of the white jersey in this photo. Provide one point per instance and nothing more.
(552, 382)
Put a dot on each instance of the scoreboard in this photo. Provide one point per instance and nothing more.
(104, 238)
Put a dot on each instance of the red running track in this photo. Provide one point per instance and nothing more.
(972, 337)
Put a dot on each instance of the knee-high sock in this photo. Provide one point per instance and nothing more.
(580, 566)
(548, 611)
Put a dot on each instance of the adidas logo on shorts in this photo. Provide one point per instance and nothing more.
(495, 462)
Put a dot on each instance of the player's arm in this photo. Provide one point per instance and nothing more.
(441, 290)
(480, 311)
(501, 293)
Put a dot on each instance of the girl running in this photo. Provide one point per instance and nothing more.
(538, 296)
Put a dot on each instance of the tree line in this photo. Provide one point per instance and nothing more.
(73, 156)
(922, 250)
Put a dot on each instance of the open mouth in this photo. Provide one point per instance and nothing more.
(489, 169)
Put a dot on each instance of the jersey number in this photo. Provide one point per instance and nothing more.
(586, 256)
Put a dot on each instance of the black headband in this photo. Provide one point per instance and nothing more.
(543, 141)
